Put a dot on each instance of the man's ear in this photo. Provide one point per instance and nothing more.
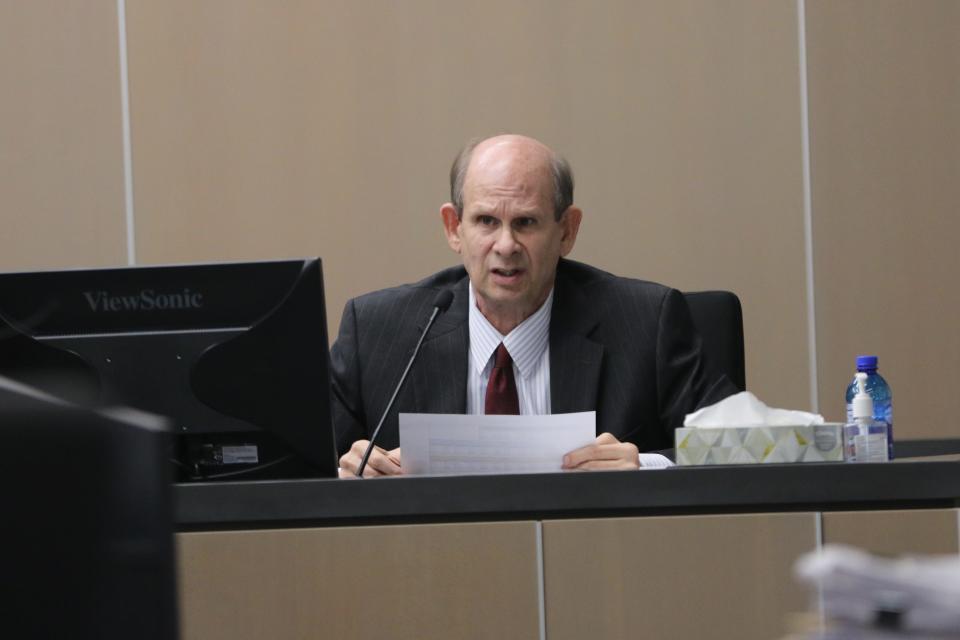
(451, 225)
(571, 226)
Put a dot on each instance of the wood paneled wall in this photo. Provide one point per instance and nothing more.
(326, 128)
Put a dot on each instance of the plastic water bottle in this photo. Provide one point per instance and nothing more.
(879, 391)
(865, 438)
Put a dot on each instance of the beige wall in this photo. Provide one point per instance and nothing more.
(895, 533)
(885, 135)
(326, 128)
(674, 577)
(61, 141)
(470, 580)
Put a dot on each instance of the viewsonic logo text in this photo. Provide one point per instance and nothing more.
(144, 300)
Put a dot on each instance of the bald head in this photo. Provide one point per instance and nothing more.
(511, 219)
(514, 153)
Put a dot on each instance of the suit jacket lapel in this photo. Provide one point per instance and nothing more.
(440, 375)
(575, 359)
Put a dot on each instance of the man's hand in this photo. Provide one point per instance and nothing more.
(605, 453)
(381, 462)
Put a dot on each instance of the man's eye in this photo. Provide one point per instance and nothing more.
(486, 221)
(525, 222)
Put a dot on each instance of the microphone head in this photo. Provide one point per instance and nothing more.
(443, 300)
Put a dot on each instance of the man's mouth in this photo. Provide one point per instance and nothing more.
(507, 277)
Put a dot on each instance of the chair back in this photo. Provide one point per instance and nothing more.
(719, 319)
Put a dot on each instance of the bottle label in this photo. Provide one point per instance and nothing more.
(871, 448)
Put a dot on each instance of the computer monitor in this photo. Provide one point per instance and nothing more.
(236, 355)
(88, 521)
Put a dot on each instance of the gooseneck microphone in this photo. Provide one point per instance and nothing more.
(440, 304)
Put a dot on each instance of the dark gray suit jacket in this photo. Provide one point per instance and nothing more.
(625, 348)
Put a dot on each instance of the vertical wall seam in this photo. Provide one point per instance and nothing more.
(820, 609)
(127, 146)
(541, 604)
(958, 529)
(807, 208)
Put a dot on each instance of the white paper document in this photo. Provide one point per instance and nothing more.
(451, 444)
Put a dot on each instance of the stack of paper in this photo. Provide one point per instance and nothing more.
(444, 444)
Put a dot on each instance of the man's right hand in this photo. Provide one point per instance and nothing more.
(381, 462)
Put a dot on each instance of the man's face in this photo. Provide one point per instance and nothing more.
(508, 237)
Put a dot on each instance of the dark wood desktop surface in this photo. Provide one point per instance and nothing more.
(903, 484)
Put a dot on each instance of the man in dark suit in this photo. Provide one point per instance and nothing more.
(564, 336)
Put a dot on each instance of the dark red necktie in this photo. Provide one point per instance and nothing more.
(502, 388)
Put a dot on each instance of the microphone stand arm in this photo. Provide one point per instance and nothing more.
(396, 392)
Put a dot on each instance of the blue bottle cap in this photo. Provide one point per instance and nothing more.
(865, 363)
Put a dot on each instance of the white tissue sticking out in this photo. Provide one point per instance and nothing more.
(746, 410)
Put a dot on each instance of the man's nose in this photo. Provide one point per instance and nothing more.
(506, 243)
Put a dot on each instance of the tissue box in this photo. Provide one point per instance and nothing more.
(754, 445)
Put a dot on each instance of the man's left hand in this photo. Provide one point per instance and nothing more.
(605, 453)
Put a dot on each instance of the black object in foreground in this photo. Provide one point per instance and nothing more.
(88, 521)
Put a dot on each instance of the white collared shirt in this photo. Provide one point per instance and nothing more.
(529, 346)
